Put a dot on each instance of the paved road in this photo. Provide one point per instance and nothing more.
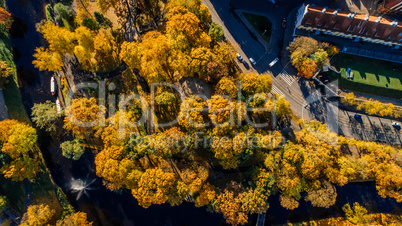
(305, 100)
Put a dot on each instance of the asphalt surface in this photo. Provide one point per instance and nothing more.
(306, 101)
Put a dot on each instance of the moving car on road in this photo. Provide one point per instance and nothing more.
(273, 62)
(252, 61)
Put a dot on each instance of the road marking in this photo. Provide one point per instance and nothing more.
(276, 90)
(287, 77)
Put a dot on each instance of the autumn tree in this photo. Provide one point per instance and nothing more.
(226, 86)
(322, 197)
(184, 31)
(37, 215)
(193, 113)
(60, 39)
(252, 83)
(75, 219)
(45, 115)
(82, 118)
(106, 54)
(47, 60)
(18, 141)
(282, 107)
(230, 205)
(131, 54)
(155, 187)
(5, 73)
(168, 143)
(72, 149)
(5, 19)
(349, 98)
(206, 195)
(254, 201)
(308, 55)
(195, 7)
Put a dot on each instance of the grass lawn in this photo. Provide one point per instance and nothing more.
(261, 24)
(371, 76)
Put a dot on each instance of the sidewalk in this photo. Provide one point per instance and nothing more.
(3, 107)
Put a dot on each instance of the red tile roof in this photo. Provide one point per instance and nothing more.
(354, 24)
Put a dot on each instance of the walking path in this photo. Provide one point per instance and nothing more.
(3, 107)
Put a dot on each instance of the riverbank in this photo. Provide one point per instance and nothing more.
(42, 189)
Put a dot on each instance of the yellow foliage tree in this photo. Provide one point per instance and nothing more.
(38, 215)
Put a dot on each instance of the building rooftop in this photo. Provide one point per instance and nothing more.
(373, 29)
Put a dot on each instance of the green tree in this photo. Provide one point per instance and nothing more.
(72, 149)
(357, 214)
(44, 115)
(102, 20)
(3, 203)
(90, 23)
(216, 32)
(64, 16)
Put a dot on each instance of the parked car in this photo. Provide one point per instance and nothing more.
(396, 125)
(252, 61)
(357, 116)
(246, 65)
(273, 62)
(284, 23)
(239, 57)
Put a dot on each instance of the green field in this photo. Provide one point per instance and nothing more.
(370, 76)
(261, 24)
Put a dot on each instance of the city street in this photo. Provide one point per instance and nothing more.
(305, 100)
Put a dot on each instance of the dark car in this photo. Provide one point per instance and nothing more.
(246, 65)
(357, 116)
(284, 23)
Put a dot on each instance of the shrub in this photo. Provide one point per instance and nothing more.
(90, 23)
(49, 12)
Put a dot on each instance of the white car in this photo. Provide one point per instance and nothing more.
(239, 57)
(273, 62)
(252, 61)
(395, 124)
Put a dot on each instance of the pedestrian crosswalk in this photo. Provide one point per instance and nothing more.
(287, 78)
(276, 90)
